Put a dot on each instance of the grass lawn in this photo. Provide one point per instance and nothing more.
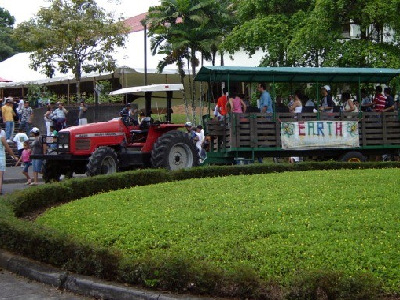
(276, 224)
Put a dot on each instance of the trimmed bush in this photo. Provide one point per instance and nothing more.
(50, 246)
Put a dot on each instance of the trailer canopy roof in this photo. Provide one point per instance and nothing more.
(292, 74)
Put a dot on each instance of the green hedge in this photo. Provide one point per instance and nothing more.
(44, 244)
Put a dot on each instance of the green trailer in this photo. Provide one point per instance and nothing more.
(337, 135)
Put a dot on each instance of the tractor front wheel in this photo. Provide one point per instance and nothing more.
(103, 160)
(174, 150)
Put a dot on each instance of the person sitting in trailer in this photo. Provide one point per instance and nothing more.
(379, 100)
(348, 105)
(326, 102)
(366, 101)
(389, 106)
(297, 105)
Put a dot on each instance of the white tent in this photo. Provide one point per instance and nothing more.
(129, 59)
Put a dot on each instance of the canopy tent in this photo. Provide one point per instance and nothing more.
(292, 74)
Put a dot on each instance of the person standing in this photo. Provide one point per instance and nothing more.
(20, 107)
(237, 104)
(221, 105)
(8, 117)
(48, 120)
(265, 102)
(3, 148)
(26, 118)
(82, 113)
(38, 148)
(20, 138)
(60, 114)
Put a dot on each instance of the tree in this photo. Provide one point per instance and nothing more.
(312, 32)
(268, 26)
(8, 46)
(182, 29)
(74, 35)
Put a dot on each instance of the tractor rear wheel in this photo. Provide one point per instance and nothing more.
(174, 150)
(103, 160)
(51, 171)
(353, 156)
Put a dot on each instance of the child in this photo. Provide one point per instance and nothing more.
(19, 139)
(26, 159)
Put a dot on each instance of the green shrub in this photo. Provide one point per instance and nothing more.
(333, 285)
(91, 258)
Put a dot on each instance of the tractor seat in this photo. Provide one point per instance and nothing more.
(144, 126)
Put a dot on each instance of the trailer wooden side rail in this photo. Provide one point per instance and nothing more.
(255, 134)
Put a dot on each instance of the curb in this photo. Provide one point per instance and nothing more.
(14, 180)
(74, 283)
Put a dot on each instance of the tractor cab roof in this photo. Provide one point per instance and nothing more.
(149, 88)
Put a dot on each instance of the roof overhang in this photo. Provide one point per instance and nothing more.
(149, 88)
(292, 74)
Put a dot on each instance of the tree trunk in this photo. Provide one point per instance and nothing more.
(182, 78)
(193, 84)
(78, 77)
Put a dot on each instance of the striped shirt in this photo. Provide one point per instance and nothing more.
(379, 102)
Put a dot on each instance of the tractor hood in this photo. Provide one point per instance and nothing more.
(114, 127)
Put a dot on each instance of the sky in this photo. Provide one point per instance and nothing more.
(23, 10)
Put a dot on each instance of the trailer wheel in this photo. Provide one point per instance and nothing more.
(353, 156)
(51, 171)
(103, 160)
(174, 150)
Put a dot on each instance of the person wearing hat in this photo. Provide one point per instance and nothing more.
(124, 113)
(326, 101)
(38, 148)
(8, 115)
(190, 131)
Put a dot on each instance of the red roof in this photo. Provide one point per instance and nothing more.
(134, 22)
(4, 80)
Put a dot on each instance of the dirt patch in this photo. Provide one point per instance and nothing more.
(180, 109)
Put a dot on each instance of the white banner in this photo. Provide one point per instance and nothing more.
(319, 134)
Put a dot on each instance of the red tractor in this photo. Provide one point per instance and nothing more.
(108, 147)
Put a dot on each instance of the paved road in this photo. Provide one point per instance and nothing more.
(13, 287)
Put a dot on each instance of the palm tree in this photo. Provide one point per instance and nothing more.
(181, 29)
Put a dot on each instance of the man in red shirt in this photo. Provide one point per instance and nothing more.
(221, 104)
(379, 100)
